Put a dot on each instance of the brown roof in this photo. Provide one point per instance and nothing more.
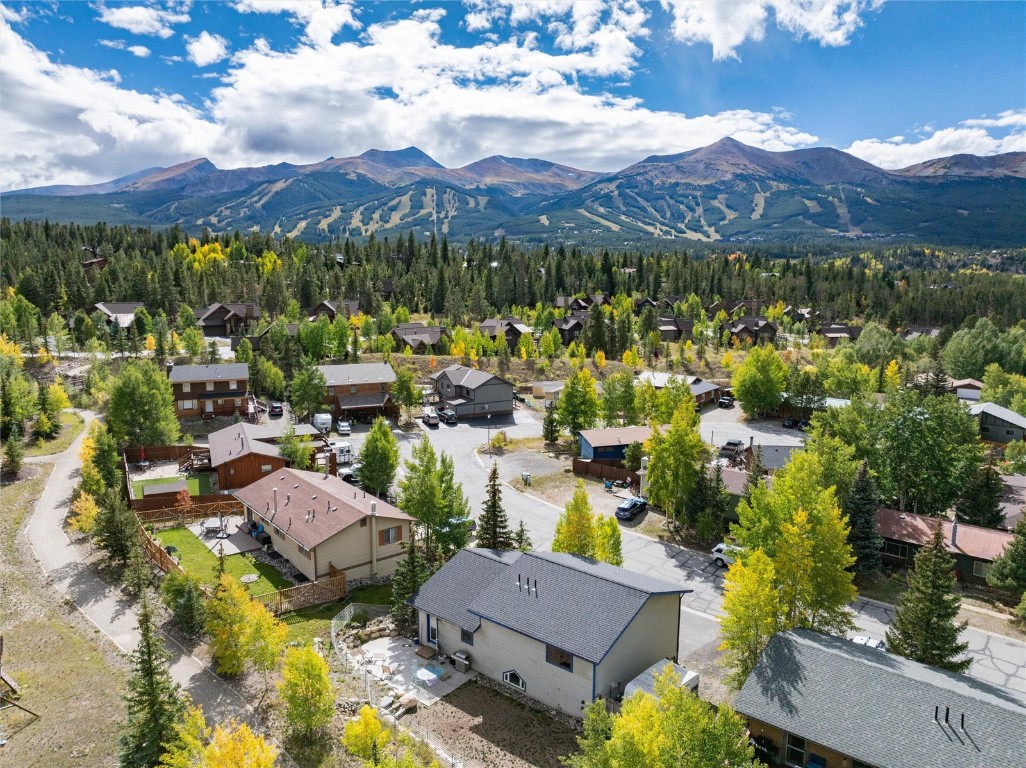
(971, 540)
(238, 440)
(601, 438)
(312, 507)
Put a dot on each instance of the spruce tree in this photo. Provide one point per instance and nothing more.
(14, 452)
(521, 539)
(980, 502)
(924, 628)
(493, 530)
(550, 426)
(1009, 570)
(861, 505)
(115, 530)
(410, 574)
(153, 699)
(756, 469)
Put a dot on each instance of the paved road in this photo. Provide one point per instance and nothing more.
(996, 659)
(68, 570)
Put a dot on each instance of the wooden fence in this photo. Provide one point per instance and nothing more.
(156, 553)
(604, 471)
(166, 501)
(171, 517)
(158, 453)
(303, 596)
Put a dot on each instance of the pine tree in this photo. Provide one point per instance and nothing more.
(153, 700)
(980, 502)
(1009, 570)
(410, 574)
(924, 628)
(115, 530)
(860, 506)
(550, 426)
(521, 540)
(14, 452)
(493, 530)
(756, 470)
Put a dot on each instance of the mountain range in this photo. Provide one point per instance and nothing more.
(727, 192)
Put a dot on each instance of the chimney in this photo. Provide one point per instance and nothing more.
(954, 530)
(374, 538)
(374, 507)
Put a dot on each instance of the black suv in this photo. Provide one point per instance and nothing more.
(448, 416)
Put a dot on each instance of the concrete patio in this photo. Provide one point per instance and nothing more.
(393, 661)
(235, 543)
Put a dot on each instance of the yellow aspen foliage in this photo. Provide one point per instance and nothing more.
(56, 398)
(42, 356)
(84, 510)
(193, 735)
(630, 358)
(175, 345)
(228, 614)
(366, 736)
(892, 377)
(600, 359)
(727, 361)
(306, 690)
(236, 746)
(151, 342)
(11, 349)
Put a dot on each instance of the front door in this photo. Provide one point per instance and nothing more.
(208, 406)
(432, 630)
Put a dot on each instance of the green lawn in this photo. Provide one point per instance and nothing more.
(197, 559)
(199, 484)
(313, 622)
(71, 426)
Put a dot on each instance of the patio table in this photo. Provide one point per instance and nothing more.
(211, 525)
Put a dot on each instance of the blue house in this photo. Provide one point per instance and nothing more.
(611, 443)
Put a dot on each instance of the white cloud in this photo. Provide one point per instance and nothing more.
(140, 51)
(323, 19)
(727, 25)
(977, 136)
(143, 20)
(206, 49)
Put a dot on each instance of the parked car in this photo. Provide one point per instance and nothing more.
(732, 449)
(344, 427)
(321, 422)
(725, 401)
(448, 416)
(804, 425)
(430, 417)
(276, 409)
(350, 474)
(790, 423)
(725, 554)
(630, 508)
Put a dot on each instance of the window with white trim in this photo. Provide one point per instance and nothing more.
(233, 384)
(894, 549)
(186, 387)
(794, 753)
(210, 386)
(512, 678)
(981, 569)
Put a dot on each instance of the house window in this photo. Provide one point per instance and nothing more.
(795, 751)
(981, 569)
(559, 657)
(263, 468)
(860, 764)
(220, 402)
(233, 384)
(331, 391)
(238, 402)
(894, 549)
(985, 429)
(210, 386)
(466, 637)
(390, 535)
(304, 551)
(1009, 433)
(432, 631)
(186, 387)
(363, 522)
(352, 389)
(512, 678)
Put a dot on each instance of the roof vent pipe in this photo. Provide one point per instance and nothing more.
(374, 507)
(275, 491)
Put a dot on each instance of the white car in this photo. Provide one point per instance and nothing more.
(344, 427)
(725, 554)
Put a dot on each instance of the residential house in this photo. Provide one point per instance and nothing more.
(747, 307)
(570, 328)
(120, 313)
(750, 330)
(967, 389)
(291, 330)
(560, 628)
(703, 391)
(471, 392)
(824, 701)
(1013, 500)
(331, 309)
(227, 319)
(712, 309)
(837, 332)
(243, 453)
(675, 328)
(509, 328)
(736, 481)
(646, 302)
(550, 391)
(211, 390)
(573, 303)
(318, 522)
(914, 332)
(998, 424)
(602, 299)
(610, 444)
(359, 389)
(420, 338)
(773, 457)
(973, 547)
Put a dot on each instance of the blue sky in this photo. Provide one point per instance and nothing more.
(93, 90)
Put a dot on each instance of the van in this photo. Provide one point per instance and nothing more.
(430, 417)
(321, 422)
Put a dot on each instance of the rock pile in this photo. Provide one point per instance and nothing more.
(353, 636)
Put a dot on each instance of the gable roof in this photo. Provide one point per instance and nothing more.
(610, 436)
(357, 373)
(121, 311)
(182, 374)
(335, 505)
(575, 603)
(462, 376)
(999, 412)
(970, 540)
(466, 574)
(879, 708)
(417, 333)
(243, 439)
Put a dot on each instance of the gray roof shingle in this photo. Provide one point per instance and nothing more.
(218, 372)
(580, 605)
(878, 708)
(357, 373)
(462, 376)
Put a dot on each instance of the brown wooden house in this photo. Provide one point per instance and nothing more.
(211, 390)
(751, 330)
(226, 319)
(243, 453)
(359, 389)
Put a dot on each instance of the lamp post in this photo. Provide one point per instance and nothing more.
(489, 423)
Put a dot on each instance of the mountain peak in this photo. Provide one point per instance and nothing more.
(411, 157)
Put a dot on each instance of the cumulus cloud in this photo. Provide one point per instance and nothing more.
(977, 136)
(142, 19)
(141, 51)
(322, 19)
(727, 25)
(206, 49)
